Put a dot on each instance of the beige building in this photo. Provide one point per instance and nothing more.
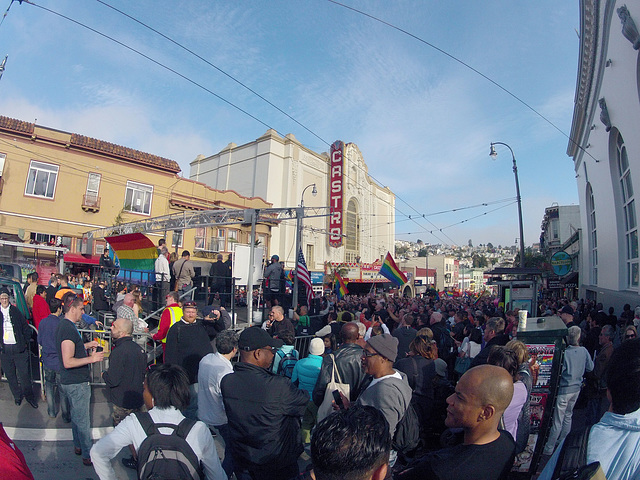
(360, 225)
(55, 186)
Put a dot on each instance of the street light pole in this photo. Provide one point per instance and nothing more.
(299, 217)
(493, 154)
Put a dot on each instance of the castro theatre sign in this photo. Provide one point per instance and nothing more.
(336, 194)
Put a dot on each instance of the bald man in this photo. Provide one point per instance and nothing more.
(481, 397)
(125, 376)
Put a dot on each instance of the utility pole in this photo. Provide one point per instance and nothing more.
(252, 246)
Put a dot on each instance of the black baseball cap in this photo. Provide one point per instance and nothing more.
(253, 338)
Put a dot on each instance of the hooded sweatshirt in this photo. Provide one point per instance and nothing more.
(615, 443)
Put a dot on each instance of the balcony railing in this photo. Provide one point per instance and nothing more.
(90, 203)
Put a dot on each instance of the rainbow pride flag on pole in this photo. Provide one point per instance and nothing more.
(341, 286)
(135, 251)
(391, 272)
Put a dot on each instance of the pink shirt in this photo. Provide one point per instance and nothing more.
(512, 412)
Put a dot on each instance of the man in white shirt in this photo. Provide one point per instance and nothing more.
(166, 392)
(211, 411)
(163, 275)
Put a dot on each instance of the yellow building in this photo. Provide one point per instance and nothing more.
(55, 186)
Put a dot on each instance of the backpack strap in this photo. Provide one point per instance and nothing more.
(146, 422)
(184, 427)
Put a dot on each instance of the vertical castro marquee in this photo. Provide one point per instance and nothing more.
(336, 194)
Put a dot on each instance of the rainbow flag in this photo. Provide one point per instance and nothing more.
(391, 272)
(135, 251)
(341, 286)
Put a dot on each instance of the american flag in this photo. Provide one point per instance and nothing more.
(304, 277)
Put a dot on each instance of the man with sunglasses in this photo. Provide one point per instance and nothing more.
(389, 391)
(263, 411)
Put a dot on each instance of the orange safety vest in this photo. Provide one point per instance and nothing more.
(176, 314)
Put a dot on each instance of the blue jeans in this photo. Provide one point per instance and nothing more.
(52, 390)
(227, 463)
(79, 395)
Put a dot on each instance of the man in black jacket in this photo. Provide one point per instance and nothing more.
(493, 335)
(263, 410)
(218, 277)
(349, 364)
(100, 302)
(125, 376)
(14, 351)
(187, 343)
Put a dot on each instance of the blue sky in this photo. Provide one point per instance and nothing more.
(422, 121)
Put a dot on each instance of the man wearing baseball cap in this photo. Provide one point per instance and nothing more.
(566, 314)
(263, 411)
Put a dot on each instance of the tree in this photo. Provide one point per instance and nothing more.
(400, 250)
(531, 260)
(470, 243)
(423, 252)
(490, 246)
(479, 261)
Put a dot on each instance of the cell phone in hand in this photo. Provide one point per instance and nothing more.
(99, 349)
(338, 399)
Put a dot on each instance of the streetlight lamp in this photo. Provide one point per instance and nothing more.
(299, 217)
(493, 154)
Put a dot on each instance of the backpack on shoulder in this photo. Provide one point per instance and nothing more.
(287, 362)
(167, 456)
(572, 460)
(407, 435)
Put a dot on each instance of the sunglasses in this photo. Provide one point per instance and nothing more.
(626, 336)
(367, 353)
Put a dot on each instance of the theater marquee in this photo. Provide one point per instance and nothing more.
(336, 194)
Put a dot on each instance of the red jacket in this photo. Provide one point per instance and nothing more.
(40, 309)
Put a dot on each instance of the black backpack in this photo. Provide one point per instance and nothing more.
(572, 459)
(169, 456)
(407, 435)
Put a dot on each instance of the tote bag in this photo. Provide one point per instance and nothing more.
(326, 408)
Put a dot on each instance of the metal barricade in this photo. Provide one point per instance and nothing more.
(301, 344)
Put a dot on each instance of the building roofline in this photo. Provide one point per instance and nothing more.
(93, 145)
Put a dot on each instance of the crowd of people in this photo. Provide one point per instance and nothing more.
(386, 387)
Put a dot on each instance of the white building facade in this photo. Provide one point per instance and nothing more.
(605, 147)
(360, 225)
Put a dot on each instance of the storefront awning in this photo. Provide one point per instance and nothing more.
(78, 258)
(570, 281)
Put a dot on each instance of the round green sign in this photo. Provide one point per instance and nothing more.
(561, 263)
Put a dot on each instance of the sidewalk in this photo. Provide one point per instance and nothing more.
(47, 443)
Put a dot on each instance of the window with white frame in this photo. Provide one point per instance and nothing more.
(41, 179)
(93, 187)
(217, 240)
(137, 198)
(232, 237)
(629, 213)
(176, 238)
(199, 239)
(593, 237)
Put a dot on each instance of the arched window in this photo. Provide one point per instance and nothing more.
(592, 238)
(352, 242)
(629, 213)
